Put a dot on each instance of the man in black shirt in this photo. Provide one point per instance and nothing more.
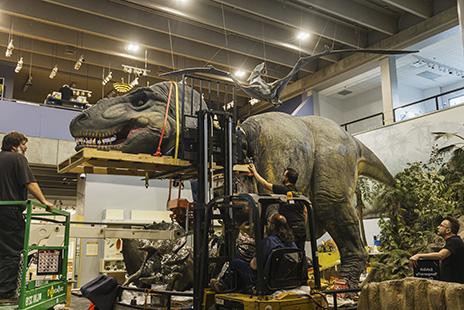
(451, 256)
(295, 213)
(16, 180)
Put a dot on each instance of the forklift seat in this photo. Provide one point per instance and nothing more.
(285, 269)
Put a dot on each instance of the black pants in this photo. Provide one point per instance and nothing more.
(11, 244)
(300, 242)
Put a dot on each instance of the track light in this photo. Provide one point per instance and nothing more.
(19, 65)
(136, 70)
(107, 78)
(134, 83)
(79, 62)
(53, 72)
(27, 84)
(9, 49)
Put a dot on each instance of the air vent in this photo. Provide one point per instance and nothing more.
(345, 92)
(429, 75)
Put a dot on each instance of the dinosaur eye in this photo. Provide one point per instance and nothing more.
(139, 100)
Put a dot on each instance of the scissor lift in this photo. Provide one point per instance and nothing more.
(52, 261)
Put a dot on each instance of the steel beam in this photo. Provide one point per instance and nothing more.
(356, 13)
(290, 16)
(149, 19)
(102, 232)
(105, 28)
(272, 33)
(417, 33)
(421, 8)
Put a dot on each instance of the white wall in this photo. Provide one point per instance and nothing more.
(128, 193)
(362, 105)
(330, 108)
(408, 94)
(411, 140)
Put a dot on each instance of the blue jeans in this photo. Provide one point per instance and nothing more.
(246, 277)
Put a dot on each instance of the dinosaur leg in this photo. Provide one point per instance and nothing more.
(340, 220)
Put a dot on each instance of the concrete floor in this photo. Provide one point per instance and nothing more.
(79, 303)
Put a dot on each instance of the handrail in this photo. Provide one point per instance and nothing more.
(432, 97)
(345, 125)
(437, 107)
(11, 100)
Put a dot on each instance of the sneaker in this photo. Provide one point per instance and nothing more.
(217, 285)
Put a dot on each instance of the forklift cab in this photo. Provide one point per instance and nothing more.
(285, 268)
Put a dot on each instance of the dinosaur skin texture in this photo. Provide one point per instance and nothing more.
(328, 159)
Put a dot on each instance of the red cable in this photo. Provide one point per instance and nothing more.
(158, 150)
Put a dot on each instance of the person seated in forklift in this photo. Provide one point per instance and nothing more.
(241, 275)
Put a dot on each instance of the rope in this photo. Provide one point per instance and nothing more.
(158, 150)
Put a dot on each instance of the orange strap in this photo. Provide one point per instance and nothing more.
(158, 150)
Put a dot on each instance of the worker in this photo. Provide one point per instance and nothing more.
(244, 272)
(295, 213)
(451, 256)
(16, 180)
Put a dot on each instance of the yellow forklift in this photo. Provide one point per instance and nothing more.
(284, 269)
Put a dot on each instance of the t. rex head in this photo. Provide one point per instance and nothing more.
(132, 123)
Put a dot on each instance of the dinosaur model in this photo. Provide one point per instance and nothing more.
(328, 159)
(256, 87)
(163, 262)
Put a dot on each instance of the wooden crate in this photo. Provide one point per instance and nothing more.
(90, 160)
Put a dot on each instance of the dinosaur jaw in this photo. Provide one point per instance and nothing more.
(109, 139)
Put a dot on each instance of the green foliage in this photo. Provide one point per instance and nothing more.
(412, 209)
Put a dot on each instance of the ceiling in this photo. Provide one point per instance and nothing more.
(445, 50)
(231, 35)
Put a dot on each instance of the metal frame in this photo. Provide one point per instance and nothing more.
(52, 292)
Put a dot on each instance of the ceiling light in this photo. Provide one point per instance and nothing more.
(302, 36)
(107, 78)
(9, 49)
(19, 65)
(136, 70)
(240, 73)
(53, 72)
(135, 82)
(79, 62)
(132, 47)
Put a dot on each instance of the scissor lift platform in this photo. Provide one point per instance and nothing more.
(89, 160)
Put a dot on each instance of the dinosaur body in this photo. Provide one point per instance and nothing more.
(328, 159)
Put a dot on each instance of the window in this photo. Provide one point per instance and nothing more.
(456, 100)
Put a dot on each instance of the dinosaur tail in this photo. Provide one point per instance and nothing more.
(370, 165)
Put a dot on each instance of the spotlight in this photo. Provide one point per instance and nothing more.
(53, 72)
(9, 49)
(19, 65)
(107, 78)
(240, 73)
(302, 36)
(134, 83)
(27, 84)
(79, 62)
(132, 47)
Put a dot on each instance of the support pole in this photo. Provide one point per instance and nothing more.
(389, 84)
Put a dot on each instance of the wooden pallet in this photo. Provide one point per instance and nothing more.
(90, 160)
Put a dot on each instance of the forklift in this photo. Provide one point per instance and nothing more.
(217, 145)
